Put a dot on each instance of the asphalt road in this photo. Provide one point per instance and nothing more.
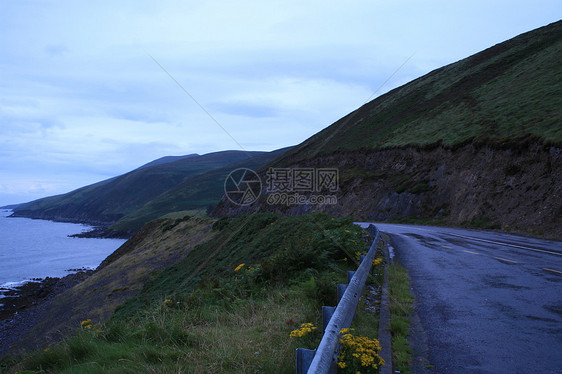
(486, 302)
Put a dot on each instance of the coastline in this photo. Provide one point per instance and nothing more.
(98, 229)
(24, 306)
(35, 291)
(102, 232)
(32, 249)
(25, 299)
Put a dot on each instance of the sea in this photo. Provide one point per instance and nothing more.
(31, 249)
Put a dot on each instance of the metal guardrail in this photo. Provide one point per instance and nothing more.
(324, 359)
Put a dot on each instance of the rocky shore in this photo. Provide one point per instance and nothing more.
(22, 307)
(103, 233)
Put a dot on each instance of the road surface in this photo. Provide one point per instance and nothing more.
(486, 302)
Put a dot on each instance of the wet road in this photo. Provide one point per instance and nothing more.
(487, 302)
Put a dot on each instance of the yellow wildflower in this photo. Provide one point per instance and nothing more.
(358, 352)
(86, 324)
(239, 267)
(305, 329)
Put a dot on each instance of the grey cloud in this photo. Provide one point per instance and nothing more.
(56, 49)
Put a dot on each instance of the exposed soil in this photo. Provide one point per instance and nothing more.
(512, 187)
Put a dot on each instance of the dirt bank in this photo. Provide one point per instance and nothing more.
(512, 187)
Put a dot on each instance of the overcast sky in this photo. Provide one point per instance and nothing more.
(81, 99)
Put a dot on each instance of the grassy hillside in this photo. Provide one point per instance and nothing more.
(166, 159)
(107, 201)
(475, 143)
(228, 307)
(508, 92)
(199, 192)
(121, 275)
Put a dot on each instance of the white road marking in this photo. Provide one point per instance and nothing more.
(507, 244)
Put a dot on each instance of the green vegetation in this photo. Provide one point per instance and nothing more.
(280, 247)
(109, 200)
(506, 94)
(359, 353)
(229, 306)
(199, 193)
(121, 275)
(360, 347)
(400, 310)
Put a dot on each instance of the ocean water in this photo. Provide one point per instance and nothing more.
(38, 249)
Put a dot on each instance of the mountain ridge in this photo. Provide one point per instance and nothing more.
(475, 143)
(384, 123)
(104, 202)
(166, 159)
(202, 191)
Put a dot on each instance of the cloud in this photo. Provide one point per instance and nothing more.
(56, 49)
(81, 99)
(244, 109)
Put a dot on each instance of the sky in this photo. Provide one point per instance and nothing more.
(91, 89)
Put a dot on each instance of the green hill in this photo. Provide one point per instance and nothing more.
(200, 192)
(227, 304)
(507, 92)
(107, 201)
(475, 143)
(166, 159)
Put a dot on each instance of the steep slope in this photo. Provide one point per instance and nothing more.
(120, 276)
(476, 142)
(107, 201)
(202, 191)
(242, 290)
(509, 91)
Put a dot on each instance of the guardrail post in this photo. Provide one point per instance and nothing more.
(327, 313)
(350, 275)
(341, 290)
(304, 358)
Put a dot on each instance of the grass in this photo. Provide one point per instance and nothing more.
(200, 192)
(366, 322)
(400, 310)
(109, 200)
(183, 213)
(201, 316)
(249, 336)
(470, 101)
(360, 348)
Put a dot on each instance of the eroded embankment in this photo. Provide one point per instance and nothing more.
(513, 187)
